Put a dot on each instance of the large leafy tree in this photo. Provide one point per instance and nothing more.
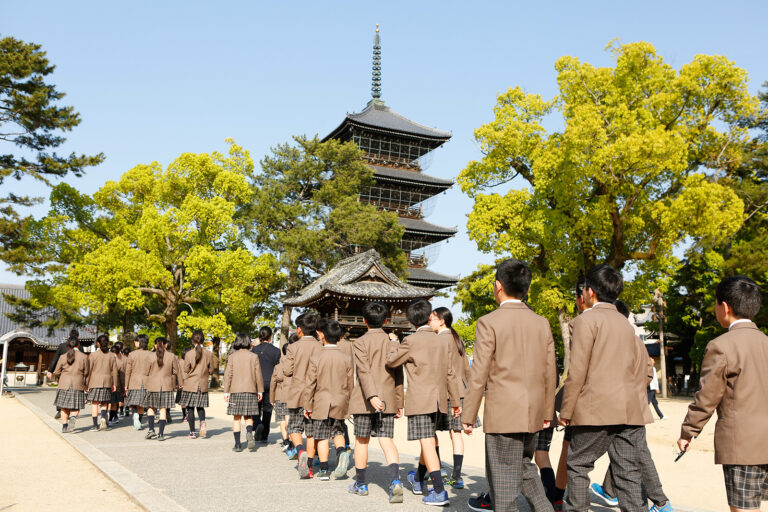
(629, 177)
(32, 120)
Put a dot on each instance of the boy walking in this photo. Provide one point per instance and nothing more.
(734, 382)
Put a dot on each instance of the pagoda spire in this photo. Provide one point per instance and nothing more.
(376, 77)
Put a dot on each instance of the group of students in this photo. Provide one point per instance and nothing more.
(322, 380)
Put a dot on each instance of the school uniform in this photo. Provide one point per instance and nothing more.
(71, 377)
(432, 388)
(269, 357)
(297, 359)
(734, 383)
(276, 392)
(329, 384)
(119, 393)
(136, 373)
(375, 378)
(604, 399)
(161, 381)
(460, 366)
(194, 391)
(243, 381)
(102, 376)
(514, 365)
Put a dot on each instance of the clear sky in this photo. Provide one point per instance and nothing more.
(154, 79)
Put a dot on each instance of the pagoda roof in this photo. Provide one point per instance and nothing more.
(361, 276)
(410, 177)
(425, 277)
(376, 116)
(422, 226)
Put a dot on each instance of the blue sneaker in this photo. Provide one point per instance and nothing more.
(360, 490)
(436, 499)
(666, 508)
(341, 466)
(599, 496)
(396, 491)
(292, 453)
(415, 486)
(456, 484)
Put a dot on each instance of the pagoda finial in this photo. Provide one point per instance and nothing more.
(376, 82)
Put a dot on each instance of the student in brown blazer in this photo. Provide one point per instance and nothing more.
(297, 359)
(431, 386)
(197, 367)
(602, 402)
(734, 382)
(514, 359)
(136, 374)
(243, 388)
(377, 400)
(326, 399)
(164, 373)
(101, 382)
(116, 402)
(71, 372)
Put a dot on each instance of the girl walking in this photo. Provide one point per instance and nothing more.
(116, 401)
(163, 369)
(71, 372)
(198, 366)
(102, 377)
(136, 374)
(243, 388)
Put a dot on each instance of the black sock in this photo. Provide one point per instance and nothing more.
(64, 427)
(394, 471)
(323, 466)
(437, 449)
(201, 413)
(95, 420)
(548, 480)
(340, 450)
(290, 444)
(300, 448)
(559, 494)
(437, 481)
(191, 419)
(237, 438)
(249, 428)
(420, 472)
(360, 476)
(104, 413)
(162, 427)
(458, 460)
(151, 421)
(141, 416)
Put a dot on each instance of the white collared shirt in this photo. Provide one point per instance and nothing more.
(510, 300)
(739, 321)
(424, 327)
(445, 329)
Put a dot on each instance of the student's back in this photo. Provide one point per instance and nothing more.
(296, 365)
(374, 378)
(332, 373)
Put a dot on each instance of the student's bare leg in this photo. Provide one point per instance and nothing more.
(95, 409)
(311, 447)
(248, 421)
(429, 454)
(361, 452)
(296, 439)
(236, 426)
(388, 447)
(339, 441)
(458, 443)
(323, 449)
(64, 416)
(284, 429)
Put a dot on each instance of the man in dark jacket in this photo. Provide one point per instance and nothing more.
(269, 356)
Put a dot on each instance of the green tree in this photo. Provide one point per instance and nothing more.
(630, 176)
(30, 119)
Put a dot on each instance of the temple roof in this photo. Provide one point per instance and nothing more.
(376, 116)
(363, 276)
(422, 226)
(406, 176)
(425, 277)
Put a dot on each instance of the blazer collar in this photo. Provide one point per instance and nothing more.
(603, 305)
(513, 305)
(334, 346)
(376, 329)
(424, 328)
(743, 325)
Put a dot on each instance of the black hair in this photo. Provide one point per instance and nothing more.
(418, 312)
(143, 340)
(580, 285)
(308, 323)
(126, 350)
(331, 329)
(160, 349)
(103, 341)
(375, 314)
(622, 308)
(515, 277)
(117, 347)
(445, 315)
(198, 338)
(242, 340)
(742, 294)
(265, 333)
(606, 282)
(74, 333)
(293, 337)
(72, 344)
(285, 348)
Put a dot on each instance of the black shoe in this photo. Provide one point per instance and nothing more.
(94, 428)
(237, 448)
(57, 415)
(482, 502)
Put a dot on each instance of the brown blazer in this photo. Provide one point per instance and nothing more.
(274, 384)
(514, 358)
(297, 359)
(102, 370)
(608, 367)
(431, 383)
(163, 378)
(347, 347)
(74, 374)
(120, 361)
(137, 368)
(243, 373)
(329, 384)
(197, 376)
(734, 382)
(374, 377)
(456, 361)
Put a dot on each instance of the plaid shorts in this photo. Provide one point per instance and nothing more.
(544, 439)
(298, 424)
(73, 399)
(159, 400)
(327, 428)
(373, 425)
(746, 486)
(136, 397)
(281, 411)
(243, 404)
(99, 395)
(422, 426)
(196, 399)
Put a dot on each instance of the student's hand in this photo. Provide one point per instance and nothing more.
(546, 425)
(393, 337)
(399, 414)
(563, 422)
(683, 444)
(456, 411)
(49, 375)
(376, 403)
(226, 397)
(259, 395)
(307, 414)
(468, 427)
(114, 389)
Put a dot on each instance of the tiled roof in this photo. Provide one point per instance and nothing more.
(378, 116)
(39, 335)
(422, 226)
(425, 277)
(402, 175)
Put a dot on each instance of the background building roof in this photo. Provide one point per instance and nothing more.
(39, 335)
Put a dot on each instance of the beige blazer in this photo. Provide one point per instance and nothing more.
(456, 361)
(514, 359)
(196, 376)
(243, 373)
(374, 377)
(431, 384)
(608, 368)
(163, 378)
(734, 382)
(74, 374)
(296, 366)
(274, 384)
(137, 368)
(329, 384)
(102, 370)
(120, 361)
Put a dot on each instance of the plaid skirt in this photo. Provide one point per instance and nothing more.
(327, 428)
(70, 399)
(448, 422)
(159, 400)
(368, 425)
(746, 486)
(422, 426)
(99, 395)
(544, 439)
(136, 397)
(281, 411)
(194, 399)
(243, 404)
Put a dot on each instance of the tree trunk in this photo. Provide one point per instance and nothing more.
(172, 327)
(127, 323)
(285, 324)
(563, 318)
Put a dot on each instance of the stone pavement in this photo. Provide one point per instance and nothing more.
(204, 474)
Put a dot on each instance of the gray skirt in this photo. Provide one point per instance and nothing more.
(196, 399)
(99, 395)
(160, 400)
(136, 397)
(70, 399)
(243, 404)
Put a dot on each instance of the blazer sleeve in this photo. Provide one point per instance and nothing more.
(713, 383)
(582, 342)
(399, 354)
(272, 387)
(367, 383)
(259, 376)
(113, 367)
(452, 378)
(485, 350)
(399, 387)
(308, 397)
(350, 378)
(289, 360)
(178, 372)
(128, 371)
(551, 372)
(228, 374)
(88, 364)
(211, 365)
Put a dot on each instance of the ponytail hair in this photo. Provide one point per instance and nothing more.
(198, 338)
(265, 334)
(103, 341)
(117, 347)
(143, 340)
(445, 315)
(160, 350)
(72, 344)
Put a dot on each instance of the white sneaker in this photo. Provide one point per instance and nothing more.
(663, 418)
(72, 422)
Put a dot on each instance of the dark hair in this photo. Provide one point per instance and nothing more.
(375, 314)
(103, 341)
(265, 333)
(742, 294)
(515, 277)
(72, 344)
(308, 323)
(285, 348)
(143, 340)
(580, 285)
(606, 282)
(242, 340)
(198, 338)
(160, 349)
(74, 333)
(331, 329)
(418, 312)
(445, 315)
(117, 347)
(126, 351)
(293, 337)
(622, 308)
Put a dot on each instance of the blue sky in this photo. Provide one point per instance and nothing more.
(154, 79)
